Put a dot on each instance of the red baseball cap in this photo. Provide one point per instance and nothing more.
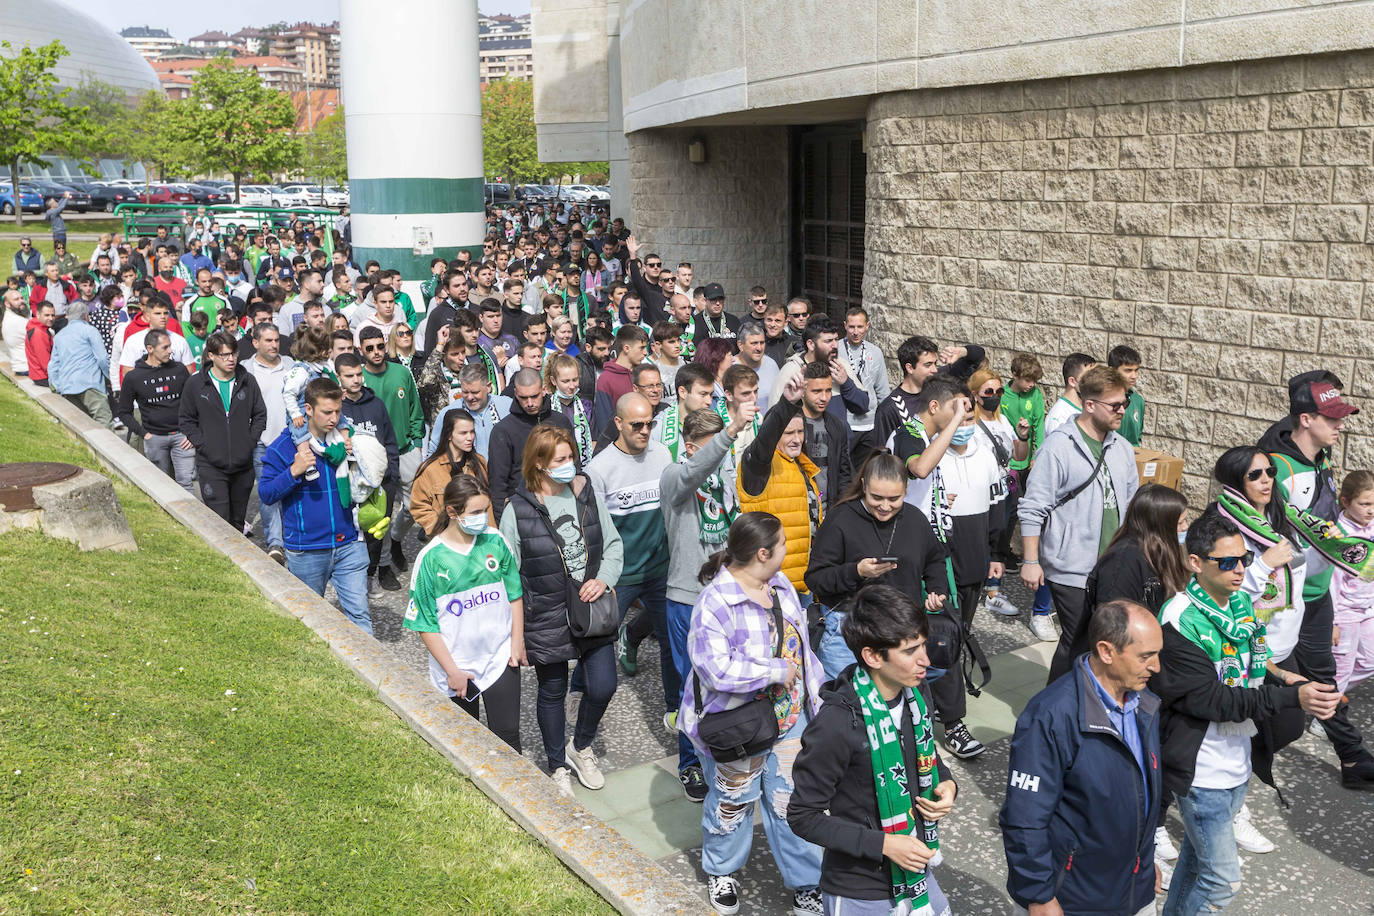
(1329, 402)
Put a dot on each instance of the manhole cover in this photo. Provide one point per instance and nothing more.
(18, 480)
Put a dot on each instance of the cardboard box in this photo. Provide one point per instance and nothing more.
(1157, 467)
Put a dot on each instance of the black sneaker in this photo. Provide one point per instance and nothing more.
(807, 902)
(693, 783)
(398, 557)
(1358, 775)
(724, 893)
(386, 577)
(961, 742)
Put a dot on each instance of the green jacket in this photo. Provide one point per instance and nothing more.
(1133, 423)
(395, 386)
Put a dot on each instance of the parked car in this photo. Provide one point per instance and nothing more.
(165, 194)
(204, 194)
(290, 198)
(498, 193)
(29, 199)
(79, 200)
(255, 195)
(584, 193)
(533, 193)
(106, 196)
(336, 197)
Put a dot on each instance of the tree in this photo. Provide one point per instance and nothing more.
(36, 116)
(155, 135)
(238, 125)
(108, 108)
(508, 142)
(323, 151)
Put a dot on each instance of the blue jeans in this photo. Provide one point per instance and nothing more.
(1043, 605)
(346, 567)
(679, 621)
(270, 514)
(833, 651)
(653, 595)
(848, 906)
(727, 817)
(598, 668)
(1207, 874)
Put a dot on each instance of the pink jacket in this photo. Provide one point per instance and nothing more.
(1352, 598)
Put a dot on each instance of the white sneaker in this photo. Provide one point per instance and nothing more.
(1042, 627)
(1247, 836)
(563, 780)
(1316, 728)
(670, 721)
(724, 893)
(583, 764)
(1164, 847)
(1000, 605)
(1166, 874)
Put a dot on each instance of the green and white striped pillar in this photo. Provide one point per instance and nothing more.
(413, 118)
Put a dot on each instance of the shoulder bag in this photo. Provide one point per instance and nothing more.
(748, 730)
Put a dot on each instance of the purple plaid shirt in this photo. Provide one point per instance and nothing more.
(732, 652)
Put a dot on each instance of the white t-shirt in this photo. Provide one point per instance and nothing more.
(134, 350)
(1059, 414)
(1000, 430)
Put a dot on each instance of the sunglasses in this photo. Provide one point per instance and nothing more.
(373, 348)
(1256, 473)
(763, 301)
(403, 332)
(1113, 406)
(639, 426)
(653, 263)
(1226, 564)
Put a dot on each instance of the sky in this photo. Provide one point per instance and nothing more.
(186, 19)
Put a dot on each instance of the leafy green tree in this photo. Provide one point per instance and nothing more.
(324, 153)
(155, 135)
(509, 150)
(36, 115)
(239, 125)
(108, 107)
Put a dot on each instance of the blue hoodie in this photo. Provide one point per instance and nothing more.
(312, 516)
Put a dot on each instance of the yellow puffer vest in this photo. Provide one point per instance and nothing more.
(785, 497)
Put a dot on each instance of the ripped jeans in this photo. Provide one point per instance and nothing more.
(727, 817)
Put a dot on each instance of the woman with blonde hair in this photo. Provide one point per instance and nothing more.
(400, 348)
(565, 546)
(1008, 444)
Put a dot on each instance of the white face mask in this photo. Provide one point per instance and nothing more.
(564, 473)
(473, 524)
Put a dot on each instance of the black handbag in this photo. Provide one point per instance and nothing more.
(588, 620)
(745, 731)
(952, 647)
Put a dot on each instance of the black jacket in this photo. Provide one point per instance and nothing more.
(1278, 440)
(223, 441)
(1076, 825)
(506, 448)
(655, 303)
(1123, 572)
(441, 312)
(156, 392)
(368, 415)
(850, 534)
(1193, 697)
(543, 576)
(834, 803)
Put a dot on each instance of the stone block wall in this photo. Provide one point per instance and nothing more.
(1217, 218)
(727, 216)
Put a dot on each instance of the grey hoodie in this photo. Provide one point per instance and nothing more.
(677, 498)
(1068, 549)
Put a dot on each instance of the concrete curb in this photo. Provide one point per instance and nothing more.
(630, 881)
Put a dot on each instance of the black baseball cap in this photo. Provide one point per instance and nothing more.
(714, 291)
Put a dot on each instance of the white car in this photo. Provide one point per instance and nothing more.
(584, 193)
(336, 197)
(255, 195)
(293, 197)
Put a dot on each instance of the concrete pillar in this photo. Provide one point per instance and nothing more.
(413, 117)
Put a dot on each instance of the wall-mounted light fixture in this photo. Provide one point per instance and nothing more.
(696, 151)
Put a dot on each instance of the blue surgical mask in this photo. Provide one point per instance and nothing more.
(564, 473)
(473, 524)
(962, 435)
(1182, 537)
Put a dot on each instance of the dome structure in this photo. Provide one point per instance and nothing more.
(95, 52)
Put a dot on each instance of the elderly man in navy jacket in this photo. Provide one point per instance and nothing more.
(1083, 789)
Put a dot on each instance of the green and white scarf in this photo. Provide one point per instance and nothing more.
(1241, 634)
(689, 346)
(1278, 591)
(670, 431)
(939, 516)
(715, 511)
(1344, 551)
(896, 812)
(493, 377)
(582, 428)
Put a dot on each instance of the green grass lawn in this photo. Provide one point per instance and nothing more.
(170, 744)
(36, 229)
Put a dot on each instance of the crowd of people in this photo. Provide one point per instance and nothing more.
(596, 448)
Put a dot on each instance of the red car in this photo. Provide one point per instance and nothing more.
(162, 194)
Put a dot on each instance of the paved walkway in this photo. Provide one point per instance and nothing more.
(1324, 863)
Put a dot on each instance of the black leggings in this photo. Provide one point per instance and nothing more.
(502, 700)
(226, 492)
